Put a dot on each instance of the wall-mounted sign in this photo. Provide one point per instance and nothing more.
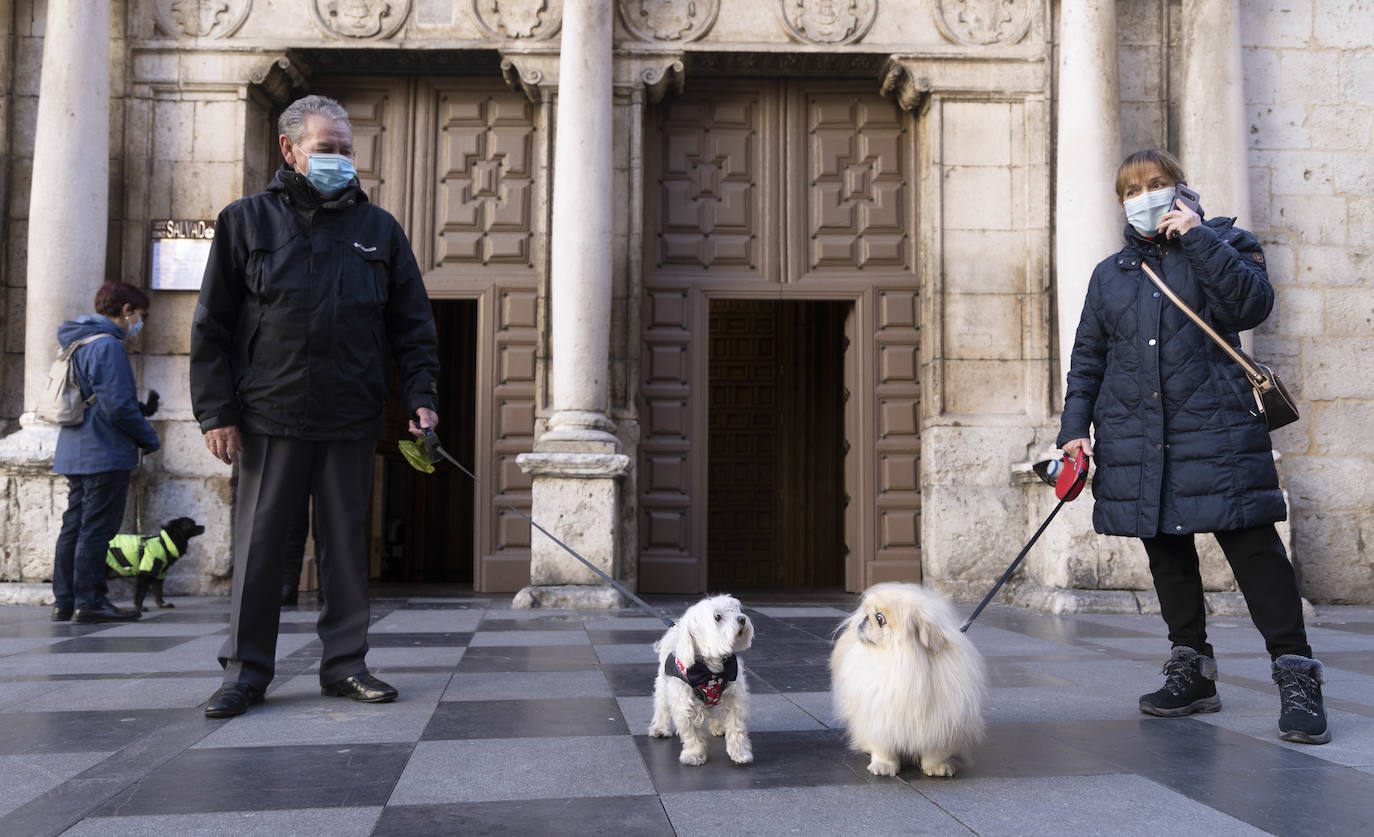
(180, 251)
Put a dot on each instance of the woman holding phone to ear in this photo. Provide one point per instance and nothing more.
(1179, 449)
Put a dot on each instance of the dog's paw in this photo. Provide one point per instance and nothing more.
(883, 766)
(692, 757)
(937, 768)
(717, 728)
(660, 732)
(740, 753)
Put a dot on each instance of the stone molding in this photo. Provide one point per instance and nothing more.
(201, 18)
(280, 80)
(827, 22)
(1011, 74)
(361, 19)
(575, 465)
(982, 22)
(678, 21)
(515, 20)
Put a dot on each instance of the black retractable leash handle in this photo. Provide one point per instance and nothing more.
(1067, 490)
(430, 443)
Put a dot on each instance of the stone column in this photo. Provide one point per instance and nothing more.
(69, 204)
(576, 465)
(1212, 109)
(68, 222)
(1088, 220)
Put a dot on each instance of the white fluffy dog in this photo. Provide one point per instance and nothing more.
(700, 678)
(907, 682)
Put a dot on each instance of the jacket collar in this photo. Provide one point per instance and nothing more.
(292, 187)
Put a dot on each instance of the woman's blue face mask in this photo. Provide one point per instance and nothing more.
(1145, 211)
(330, 173)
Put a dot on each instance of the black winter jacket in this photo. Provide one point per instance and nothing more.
(303, 304)
(1179, 447)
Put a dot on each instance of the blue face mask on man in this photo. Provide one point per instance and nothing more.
(330, 173)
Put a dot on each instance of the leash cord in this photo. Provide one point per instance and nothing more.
(432, 440)
(1006, 575)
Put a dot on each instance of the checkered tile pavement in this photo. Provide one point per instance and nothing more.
(533, 722)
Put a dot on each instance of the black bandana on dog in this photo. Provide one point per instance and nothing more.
(708, 685)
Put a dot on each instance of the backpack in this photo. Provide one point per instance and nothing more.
(62, 401)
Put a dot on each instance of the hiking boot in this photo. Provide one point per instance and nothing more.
(1188, 686)
(1301, 715)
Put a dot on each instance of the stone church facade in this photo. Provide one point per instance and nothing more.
(730, 293)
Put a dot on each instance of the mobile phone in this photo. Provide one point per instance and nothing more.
(1189, 198)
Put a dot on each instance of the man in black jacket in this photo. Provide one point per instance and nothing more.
(309, 293)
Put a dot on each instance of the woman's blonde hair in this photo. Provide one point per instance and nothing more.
(1131, 166)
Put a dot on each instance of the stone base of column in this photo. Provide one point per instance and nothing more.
(574, 596)
(35, 498)
(576, 497)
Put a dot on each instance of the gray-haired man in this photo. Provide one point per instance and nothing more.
(310, 291)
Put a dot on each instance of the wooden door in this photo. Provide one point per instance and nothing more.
(785, 191)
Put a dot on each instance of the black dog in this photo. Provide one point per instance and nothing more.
(147, 560)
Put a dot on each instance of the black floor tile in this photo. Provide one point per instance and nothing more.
(781, 760)
(25, 733)
(631, 679)
(1357, 661)
(265, 778)
(773, 629)
(545, 717)
(788, 678)
(429, 605)
(1351, 627)
(629, 815)
(1282, 790)
(45, 629)
(542, 623)
(820, 627)
(189, 617)
(809, 652)
(113, 645)
(529, 658)
(378, 639)
(633, 637)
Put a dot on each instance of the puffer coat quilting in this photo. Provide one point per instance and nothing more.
(1179, 446)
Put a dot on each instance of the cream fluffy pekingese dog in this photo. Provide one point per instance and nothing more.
(700, 679)
(906, 682)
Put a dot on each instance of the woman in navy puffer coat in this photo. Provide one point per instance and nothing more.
(1180, 447)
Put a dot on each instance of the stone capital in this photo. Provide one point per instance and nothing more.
(534, 72)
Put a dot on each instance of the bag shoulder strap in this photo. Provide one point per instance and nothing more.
(1236, 354)
(67, 356)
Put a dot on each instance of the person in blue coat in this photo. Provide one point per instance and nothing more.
(97, 455)
(1180, 448)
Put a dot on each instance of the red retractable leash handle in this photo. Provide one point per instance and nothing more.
(1073, 475)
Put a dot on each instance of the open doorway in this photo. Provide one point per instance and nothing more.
(775, 478)
(421, 525)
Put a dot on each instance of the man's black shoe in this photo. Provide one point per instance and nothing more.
(362, 687)
(104, 612)
(61, 614)
(1188, 686)
(232, 699)
(289, 595)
